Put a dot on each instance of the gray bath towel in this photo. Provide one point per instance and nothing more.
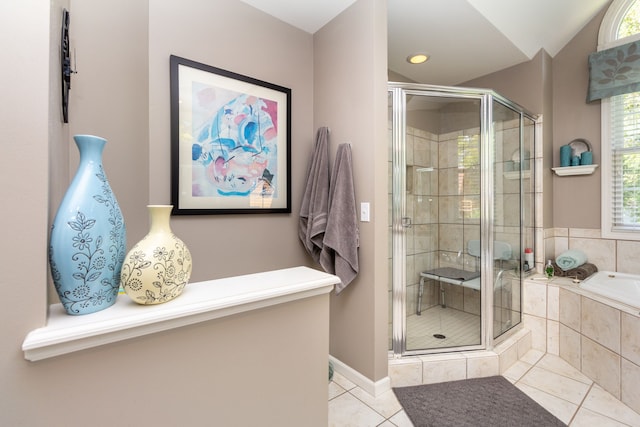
(580, 273)
(341, 239)
(315, 201)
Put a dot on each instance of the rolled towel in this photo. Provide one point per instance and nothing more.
(582, 272)
(557, 271)
(573, 258)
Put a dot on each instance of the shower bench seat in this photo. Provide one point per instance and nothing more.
(453, 276)
(456, 276)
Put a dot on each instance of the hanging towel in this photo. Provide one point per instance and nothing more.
(315, 201)
(572, 258)
(341, 239)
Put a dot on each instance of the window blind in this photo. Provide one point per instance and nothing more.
(625, 162)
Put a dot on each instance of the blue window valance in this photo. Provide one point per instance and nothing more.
(614, 71)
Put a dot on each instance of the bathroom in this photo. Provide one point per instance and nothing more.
(545, 308)
(113, 102)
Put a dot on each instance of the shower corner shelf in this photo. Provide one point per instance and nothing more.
(516, 174)
(575, 170)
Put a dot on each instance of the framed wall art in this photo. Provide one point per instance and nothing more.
(230, 142)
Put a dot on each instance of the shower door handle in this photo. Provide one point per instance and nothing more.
(406, 222)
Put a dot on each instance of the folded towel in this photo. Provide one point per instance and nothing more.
(341, 238)
(584, 271)
(315, 201)
(572, 258)
(581, 273)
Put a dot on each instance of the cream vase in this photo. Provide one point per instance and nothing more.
(158, 267)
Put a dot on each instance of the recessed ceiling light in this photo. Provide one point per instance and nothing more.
(417, 58)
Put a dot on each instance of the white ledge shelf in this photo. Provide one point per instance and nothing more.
(199, 302)
(575, 170)
(516, 174)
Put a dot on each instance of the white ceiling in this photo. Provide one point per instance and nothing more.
(465, 38)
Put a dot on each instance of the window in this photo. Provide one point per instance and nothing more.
(620, 133)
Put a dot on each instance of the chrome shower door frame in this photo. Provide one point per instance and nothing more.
(399, 224)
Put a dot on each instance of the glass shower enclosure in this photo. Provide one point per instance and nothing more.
(463, 201)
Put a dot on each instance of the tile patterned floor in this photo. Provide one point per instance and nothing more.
(547, 379)
(458, 327)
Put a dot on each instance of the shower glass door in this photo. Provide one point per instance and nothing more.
(463, 196)
(436, 221)
(513, 212)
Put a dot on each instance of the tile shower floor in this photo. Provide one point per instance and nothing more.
(547, 379)
(458, 328)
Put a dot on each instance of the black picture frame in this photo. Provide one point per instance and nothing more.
(230, 142)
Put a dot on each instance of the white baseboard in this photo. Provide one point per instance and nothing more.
(375, 389)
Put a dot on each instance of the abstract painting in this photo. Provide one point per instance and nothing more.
(230, 142)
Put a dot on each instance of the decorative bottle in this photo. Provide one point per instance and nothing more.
(88, 236)
(158, 267)
(548, 270)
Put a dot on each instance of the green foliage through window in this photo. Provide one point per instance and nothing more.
(630, 24)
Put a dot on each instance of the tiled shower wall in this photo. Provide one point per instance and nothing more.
(444, 220)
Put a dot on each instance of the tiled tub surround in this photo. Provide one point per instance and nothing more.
(606, 254)
(598, 336)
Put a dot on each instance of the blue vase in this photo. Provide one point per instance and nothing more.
(88, 237)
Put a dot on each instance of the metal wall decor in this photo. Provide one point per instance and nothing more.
(65, 65)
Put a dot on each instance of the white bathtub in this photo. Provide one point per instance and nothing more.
(617, 286)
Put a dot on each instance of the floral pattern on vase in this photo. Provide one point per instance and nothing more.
(158, 267)
(88, 236)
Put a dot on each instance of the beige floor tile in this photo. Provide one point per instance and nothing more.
(342, 381)
(516, 371)
(386, 404)
(335, 390)
(556, 384)
(587, 418)
(562, 409)
(604, 403)
(401, 420)
(556, 364)
(458, 327)
(346, 411)
(546, 378)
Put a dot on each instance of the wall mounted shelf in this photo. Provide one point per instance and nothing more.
(575, 170)
(516, 174)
